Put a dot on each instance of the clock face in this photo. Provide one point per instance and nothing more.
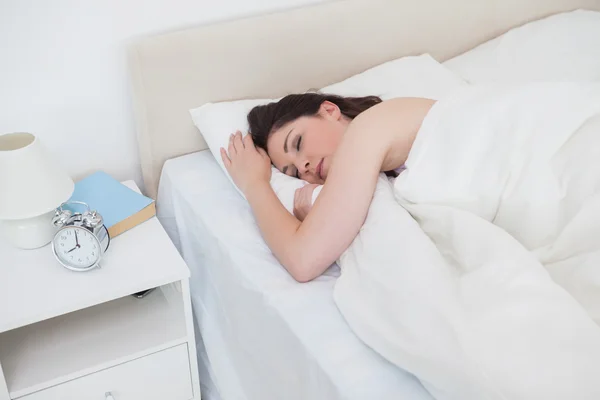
(76, 248)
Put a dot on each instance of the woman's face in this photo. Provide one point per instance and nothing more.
(304, 147)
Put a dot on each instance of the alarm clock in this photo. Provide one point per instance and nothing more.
(82, 238)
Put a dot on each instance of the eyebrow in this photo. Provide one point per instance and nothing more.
(285, 146)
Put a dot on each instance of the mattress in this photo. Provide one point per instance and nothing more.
(261, 335)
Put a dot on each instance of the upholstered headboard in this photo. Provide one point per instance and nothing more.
(292, 51)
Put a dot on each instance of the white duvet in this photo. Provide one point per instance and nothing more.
(478, 269)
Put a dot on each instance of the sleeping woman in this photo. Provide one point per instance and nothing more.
(499, 251)
(342, 143)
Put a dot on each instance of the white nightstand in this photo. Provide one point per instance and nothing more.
(80, 335)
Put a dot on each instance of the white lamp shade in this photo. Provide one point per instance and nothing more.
(31, 182)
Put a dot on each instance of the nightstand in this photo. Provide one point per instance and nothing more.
(81, 335)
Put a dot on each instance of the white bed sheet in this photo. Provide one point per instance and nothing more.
(264, 335)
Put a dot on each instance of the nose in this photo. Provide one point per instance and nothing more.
(302, 167)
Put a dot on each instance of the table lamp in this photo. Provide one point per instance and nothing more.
(32, 186)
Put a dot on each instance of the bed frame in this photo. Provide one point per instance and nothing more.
(293, 51)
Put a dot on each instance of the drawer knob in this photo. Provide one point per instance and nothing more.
(108, 396)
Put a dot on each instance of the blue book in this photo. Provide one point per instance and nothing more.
(121, 207)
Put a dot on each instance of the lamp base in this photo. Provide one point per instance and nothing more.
(30, 233)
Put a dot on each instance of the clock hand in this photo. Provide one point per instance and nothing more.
(77, 245)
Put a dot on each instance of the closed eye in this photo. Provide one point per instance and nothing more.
(295, 174)
(298, 141)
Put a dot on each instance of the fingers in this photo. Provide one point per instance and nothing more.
(231, 148)
(225, 158)
(297, 195)
(237, 144)
(237, 141)
(296, 203)
(248, 141)
(308, 189)
(262, 152)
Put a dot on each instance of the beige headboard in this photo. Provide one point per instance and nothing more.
(291, 51)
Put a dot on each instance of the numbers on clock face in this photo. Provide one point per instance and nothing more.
(76, 247)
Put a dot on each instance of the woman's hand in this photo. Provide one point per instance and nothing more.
(246, 164)
(303, 200)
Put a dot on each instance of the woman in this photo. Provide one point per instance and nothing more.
(341, 142)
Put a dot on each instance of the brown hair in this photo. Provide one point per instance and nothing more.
(265, 119)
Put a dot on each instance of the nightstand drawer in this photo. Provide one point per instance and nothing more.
(160, 376)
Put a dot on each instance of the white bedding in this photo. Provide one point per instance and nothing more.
(503, 187)
(266, 336)
(562, 47)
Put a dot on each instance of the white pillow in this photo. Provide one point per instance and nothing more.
(414, 76)
(562, 47)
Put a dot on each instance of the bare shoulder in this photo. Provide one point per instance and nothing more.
(391, 118)
(389, 128)
(409, 109)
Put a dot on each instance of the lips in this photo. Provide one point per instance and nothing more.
(320, 169)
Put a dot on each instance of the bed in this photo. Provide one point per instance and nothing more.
(252, 315)
(261, 335)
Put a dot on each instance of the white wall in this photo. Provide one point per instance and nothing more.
(63, 72)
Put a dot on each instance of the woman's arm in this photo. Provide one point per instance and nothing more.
(383, 133)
